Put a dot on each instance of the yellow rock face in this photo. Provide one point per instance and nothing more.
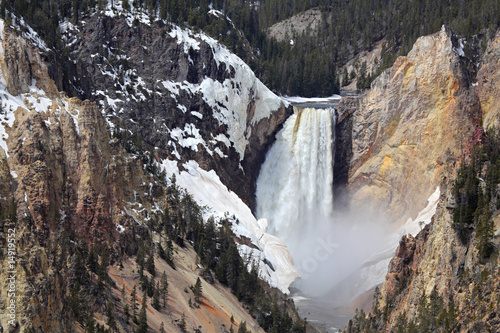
(487, 86)
(410, 128)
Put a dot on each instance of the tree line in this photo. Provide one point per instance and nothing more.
(311, 66)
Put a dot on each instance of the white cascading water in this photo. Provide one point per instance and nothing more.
(295, 195)
(294, 188)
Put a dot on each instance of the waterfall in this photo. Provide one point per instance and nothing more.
(294, 188)
(295, 195)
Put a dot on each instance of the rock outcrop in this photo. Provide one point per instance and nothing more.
(436, 268)
(306, 23)
(185, 95)
(486, 83)
(343, 147)
(414, 120)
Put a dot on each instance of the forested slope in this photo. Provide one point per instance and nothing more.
(311, 66)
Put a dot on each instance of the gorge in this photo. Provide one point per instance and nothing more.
(154, 178)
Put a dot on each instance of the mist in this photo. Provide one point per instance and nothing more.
(332, 249)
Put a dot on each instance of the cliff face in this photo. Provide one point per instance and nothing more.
(187, 100)
(71, 184)
(61, 153)
(435, 278)
(486, 83)
(61, 173)
(416, 116)
(307, 23)
(184, 94)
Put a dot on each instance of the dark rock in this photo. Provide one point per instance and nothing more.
(148, 56)
(343, 149)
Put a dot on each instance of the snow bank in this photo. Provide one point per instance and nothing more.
(208, 190)
(299, 100)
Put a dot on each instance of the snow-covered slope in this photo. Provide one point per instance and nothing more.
(275, 262)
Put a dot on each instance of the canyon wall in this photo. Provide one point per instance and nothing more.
(434, 278)
(409, 126)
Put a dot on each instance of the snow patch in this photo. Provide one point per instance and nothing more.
(460, 49)
(222, 138)
(1, 29)
(115, 8)
(299, 100)
(185, 38)
(189, 137)
(197, 114)
(229, 100)
(424, 217)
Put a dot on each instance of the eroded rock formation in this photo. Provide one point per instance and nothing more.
(410, 125)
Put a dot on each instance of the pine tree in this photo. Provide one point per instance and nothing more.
(485, 233)
(150, 265)
(140, 258)
(170, 253)
(134, 305)
(125, 5)
(182, 323)
(142, 320)
(156, 297)
(243, 327)
(126, 312)
(164, 288)
(74, 301)
(197, 290)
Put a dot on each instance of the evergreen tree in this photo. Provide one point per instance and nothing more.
(156, 297)
(197, 290)
(182, 323)
(142, 320)
(134, 305)
(150, 265)
(243, 327)
(164, 288)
